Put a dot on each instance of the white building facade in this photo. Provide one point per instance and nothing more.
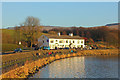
(61, 41)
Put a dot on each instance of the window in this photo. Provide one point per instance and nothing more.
(43, 41)
(66, 41)
(60, 41)
(51, 41)
(81, 41)
(47, 40)
(73, 41)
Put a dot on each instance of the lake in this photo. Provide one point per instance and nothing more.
(81, 67)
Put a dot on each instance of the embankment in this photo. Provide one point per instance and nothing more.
(31, 68)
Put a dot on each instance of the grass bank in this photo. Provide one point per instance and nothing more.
(31, 67)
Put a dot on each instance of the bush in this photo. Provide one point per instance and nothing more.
(10, 47)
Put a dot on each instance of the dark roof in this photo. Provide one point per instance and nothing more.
(62, 36)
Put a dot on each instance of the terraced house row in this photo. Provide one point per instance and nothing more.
(61, 41)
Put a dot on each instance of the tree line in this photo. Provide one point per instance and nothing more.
(102, 33)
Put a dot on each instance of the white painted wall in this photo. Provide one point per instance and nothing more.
(56, 42)
(64, 44)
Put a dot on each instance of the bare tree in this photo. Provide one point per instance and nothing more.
(31, 27)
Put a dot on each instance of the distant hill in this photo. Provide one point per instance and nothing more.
(10, 27)
(52, 27)
(113, 26)
(43, 27)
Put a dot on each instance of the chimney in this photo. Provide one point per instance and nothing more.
(70, 34)
(59, 34)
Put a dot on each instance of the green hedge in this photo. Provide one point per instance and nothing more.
(10, 47)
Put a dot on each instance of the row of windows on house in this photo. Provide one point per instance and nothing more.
(62, 41)
(61, 46)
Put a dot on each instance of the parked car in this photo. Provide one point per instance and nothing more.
(66, 48)
(17, 50)
(46, 48)
(72, 51)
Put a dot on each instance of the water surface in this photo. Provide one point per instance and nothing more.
(81, 67)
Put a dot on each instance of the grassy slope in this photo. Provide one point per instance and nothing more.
(10, 47)
(6, 32)
(9, 35)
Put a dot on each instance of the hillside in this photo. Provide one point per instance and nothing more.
(110, 26)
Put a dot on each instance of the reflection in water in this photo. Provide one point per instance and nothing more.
(81, 67)
(101, 67)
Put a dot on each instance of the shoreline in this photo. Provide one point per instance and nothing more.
(30, 68)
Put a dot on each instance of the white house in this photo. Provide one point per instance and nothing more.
(61, 41)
